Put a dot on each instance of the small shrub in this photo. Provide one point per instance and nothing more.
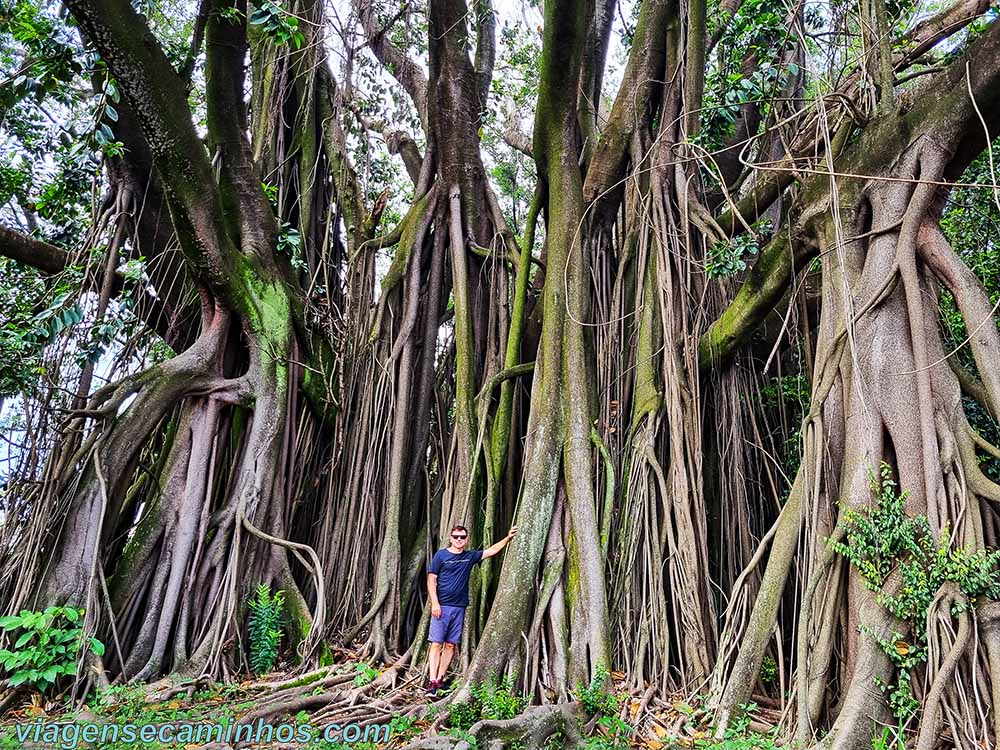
(463, 715)
(881, 540)
(402, 727)
(490, 700)
(497, 700)
(612, 734)
(124, 702)
(265, 628)
(364, 674)
(464, 736)
(738, 735)
(596, 697)
(46, 646)
(768, 670)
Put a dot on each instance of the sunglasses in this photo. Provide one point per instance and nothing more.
(458, 536)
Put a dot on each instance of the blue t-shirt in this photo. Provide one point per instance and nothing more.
(453, 573)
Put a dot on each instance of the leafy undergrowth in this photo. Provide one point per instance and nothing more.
(613, 716)
(222, 704)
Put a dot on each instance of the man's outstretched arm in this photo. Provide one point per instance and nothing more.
(495, 548)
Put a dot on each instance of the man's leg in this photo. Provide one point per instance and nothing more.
(447, 652)
(438, 631)
(452, 638)
(434, 659)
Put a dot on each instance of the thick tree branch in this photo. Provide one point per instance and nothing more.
(694, 80)
(245, 206)
(197, 37)
(51, 260)
(410, 75)
(595, 54)
(41, 255)
(153, 235)
(725, 13)
(924, 36)
(940, 26)
(397, 141)
(517, 140)
(486, 48)
(764, 285)
(157, 94)
(644, 73)
(942, 109)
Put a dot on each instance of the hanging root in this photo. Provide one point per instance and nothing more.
(929, 725)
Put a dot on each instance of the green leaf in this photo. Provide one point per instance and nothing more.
(97, 647)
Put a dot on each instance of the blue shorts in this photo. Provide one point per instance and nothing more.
(448, 627)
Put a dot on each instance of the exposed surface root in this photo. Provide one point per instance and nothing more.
(530, 730)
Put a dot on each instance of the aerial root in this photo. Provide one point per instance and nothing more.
(932, 705)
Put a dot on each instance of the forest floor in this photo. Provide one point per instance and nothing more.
(395, 717)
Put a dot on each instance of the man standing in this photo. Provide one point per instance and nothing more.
(448, 587)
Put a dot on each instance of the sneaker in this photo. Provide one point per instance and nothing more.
(433, 686)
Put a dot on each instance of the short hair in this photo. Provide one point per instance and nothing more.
(458, 527)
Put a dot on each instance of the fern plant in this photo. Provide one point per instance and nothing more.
(265, 627)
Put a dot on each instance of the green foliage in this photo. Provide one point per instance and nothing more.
(497, 700)
(402, 727)
(364, 674)
(883, 540)
(46, 646)
(768, 670)
(738, 735)
(271, 193)
(490, 700)
(876, 538)
(34, 314)
(231, 14)
(729, 257)
(463, 714)
(784, 401)
(125, 702)
(888, 739)
(596, 698)
(611, 734)
(463, 735)
(50, 63)
(757, 31)
(789, 389)
(971, 222)
(290, 244)
(278, 24)
(520, 59)
(265, 628)
(733, 255)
